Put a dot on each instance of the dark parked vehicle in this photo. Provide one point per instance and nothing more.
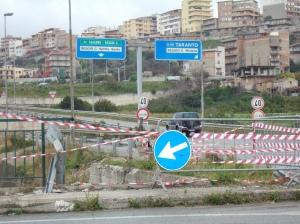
(183, 121)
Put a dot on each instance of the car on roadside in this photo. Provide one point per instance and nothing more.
(183, 121)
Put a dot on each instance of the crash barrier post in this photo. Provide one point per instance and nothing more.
(22, 156)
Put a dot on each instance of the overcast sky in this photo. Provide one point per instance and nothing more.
(32, 16)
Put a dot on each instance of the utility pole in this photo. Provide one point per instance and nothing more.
(92, 77)
(72, 67)
(139, 70)
(119, 77)
(202, 91)
(5, 43)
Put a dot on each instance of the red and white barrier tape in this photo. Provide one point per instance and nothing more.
(70, 125)
(276, 128)
(247, 136)
(265, 161)
(242, 151)
(277, 145)
(265, 145)
(36, 155)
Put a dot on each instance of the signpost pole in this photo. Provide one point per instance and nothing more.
(139, 55)
(92, 74)
(72, 67)
(202, 91)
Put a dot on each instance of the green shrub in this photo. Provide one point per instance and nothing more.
(105, 106)
(78, 104)
(134, 203)
(226, 198)
(89, 204)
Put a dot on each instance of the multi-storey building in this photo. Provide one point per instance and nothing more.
(48, 39)
(235, 17)
(193, 13)
(11, 47)
(14, 73)
(238, 13)
(169, 23)
(56, 61)
(257, 54)
(139, 28)
(291, 7)
(213, 62)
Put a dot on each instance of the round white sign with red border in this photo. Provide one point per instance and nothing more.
(258, 114)
(257, 103)
(142, 113)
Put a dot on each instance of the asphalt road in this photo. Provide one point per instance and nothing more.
(287, 213)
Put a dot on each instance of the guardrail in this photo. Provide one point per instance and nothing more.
(80, 112)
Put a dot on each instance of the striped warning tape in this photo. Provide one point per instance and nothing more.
(242, 151)
(247, 136)
(276, 128)
(36, 155)
(264, 161)
(277, 145)
(70, 125)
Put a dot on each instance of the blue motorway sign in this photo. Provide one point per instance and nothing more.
(101, 48)
(178, 50)
(172, 150)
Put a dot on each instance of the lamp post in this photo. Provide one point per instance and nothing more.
(6, 98)
(72, 70)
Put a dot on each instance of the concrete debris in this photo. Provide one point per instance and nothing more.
(113, 176)
(63, 206)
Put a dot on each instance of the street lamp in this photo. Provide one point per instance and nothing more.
(72, 70)
(5, 50)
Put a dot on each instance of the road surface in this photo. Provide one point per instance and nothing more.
(287, 213)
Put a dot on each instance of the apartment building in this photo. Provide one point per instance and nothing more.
(291, 7)
(55, 61)
(238, 13)
(169, 23)
(213, 62)
(193, 14)
(52, 38)
(139, 28)
(11, 47)
(257, 54)
(15, 73)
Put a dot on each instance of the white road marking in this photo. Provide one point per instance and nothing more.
(152, 217)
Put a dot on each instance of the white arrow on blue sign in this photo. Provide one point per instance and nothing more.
(100, 48)
(172, 150)
(178, 50)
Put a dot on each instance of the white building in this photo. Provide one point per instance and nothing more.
(169, 23)
(13, 46)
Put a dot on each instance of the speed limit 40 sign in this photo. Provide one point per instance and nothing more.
(143, 102)
(257, 103)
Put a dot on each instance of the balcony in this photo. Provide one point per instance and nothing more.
(274, 42)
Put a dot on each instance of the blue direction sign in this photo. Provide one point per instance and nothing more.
(172, 150)
(178, 50)
(100, 48)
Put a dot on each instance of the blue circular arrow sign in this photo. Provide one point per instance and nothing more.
(172, 150)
